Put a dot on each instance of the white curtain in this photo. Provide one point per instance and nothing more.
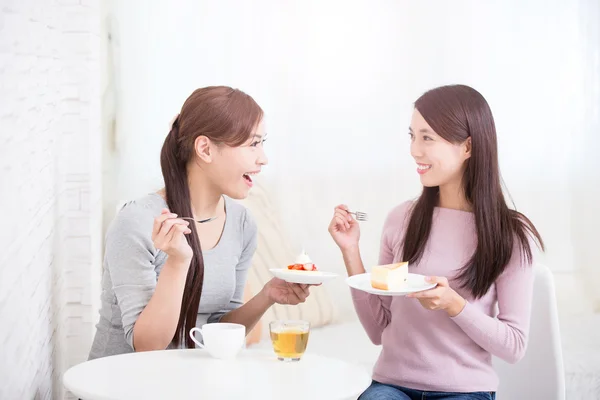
(585, 178)
(337, 81)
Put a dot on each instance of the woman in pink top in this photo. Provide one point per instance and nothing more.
(460, 233)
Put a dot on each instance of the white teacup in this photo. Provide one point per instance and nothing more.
(221, 340)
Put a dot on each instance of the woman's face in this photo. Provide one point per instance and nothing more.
(439, 162)
(231, 168)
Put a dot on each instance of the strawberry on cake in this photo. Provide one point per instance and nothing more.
(303, 263)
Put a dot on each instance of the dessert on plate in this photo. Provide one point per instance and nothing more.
(390, 277)
(302, 263)
(303, 271)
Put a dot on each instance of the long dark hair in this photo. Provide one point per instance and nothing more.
(226, 116)
(457, 112)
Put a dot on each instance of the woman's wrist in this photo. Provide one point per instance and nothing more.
(456, 306)
(352, 250)
(263, 297)
(179, 265)
(352, 260)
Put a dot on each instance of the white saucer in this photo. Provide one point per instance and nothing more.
(416, 283)
(306, 277)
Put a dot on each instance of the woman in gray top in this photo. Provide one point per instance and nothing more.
(162, 274)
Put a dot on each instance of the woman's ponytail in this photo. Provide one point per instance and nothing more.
(178, 200)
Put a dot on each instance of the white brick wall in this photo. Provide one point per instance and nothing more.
(50, 193)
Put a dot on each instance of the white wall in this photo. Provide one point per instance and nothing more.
(50, 191)
(337, 81)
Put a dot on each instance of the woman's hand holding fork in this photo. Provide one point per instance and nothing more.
(345, 231)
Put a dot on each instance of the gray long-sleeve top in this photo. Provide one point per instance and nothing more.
(132, 266)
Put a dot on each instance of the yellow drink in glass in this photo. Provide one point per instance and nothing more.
(289, 339)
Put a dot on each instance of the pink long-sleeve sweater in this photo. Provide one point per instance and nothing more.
(429, 350)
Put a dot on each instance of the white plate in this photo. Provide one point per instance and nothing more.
(416, 283)
(306, 277)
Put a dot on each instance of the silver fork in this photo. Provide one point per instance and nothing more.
(200, 221)
(360, 216)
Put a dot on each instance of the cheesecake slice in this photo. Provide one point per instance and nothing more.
(390, 277)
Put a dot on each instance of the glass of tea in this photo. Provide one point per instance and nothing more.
(289, 339)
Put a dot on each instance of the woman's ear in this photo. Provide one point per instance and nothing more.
(202, 147)
(468, 146)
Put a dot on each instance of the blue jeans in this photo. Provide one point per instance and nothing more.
(380, 391)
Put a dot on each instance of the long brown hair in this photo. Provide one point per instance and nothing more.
(225, 116)
(457, 112)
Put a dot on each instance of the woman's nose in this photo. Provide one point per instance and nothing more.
(262, 158)
(415, 150)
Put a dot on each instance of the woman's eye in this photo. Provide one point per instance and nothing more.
(427, 137)
(258, 142)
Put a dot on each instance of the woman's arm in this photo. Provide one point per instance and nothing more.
(255, 334)
(373, 311)
(156, 324)
(275, 291)
(237, 311)
(149, 307)
(506, 335)
(250, 313)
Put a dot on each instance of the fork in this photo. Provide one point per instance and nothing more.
(200, 221)
(360, 216)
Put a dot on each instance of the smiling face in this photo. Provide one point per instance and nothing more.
(439, 162)
(230, 168)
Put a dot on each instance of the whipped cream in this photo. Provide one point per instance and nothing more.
(303, 258)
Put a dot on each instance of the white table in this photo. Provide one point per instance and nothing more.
(193, 374)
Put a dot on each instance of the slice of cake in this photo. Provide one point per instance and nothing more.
(390, 277)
